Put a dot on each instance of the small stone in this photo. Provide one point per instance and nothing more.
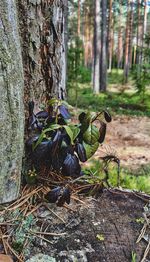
(5, 258)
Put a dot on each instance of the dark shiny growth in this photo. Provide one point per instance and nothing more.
(107, 116)
(81, 152)
(102, 132)
(59, 195)
(71, 166)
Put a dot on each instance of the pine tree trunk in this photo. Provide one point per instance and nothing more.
(103, 56)
(110, 36)
(139, 32)
(120, 37)
(41, 75)
(145, 16)
(44, 55)
(96, 45)
(88, 36)
(11, 101)
(126, 62)
(131, 33)
(79, 18)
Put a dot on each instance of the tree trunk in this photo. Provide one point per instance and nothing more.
(43, 70)
(11, 101)
(131, 33)
(79, 18)
(145, 16)
(110, 36)
(103, 55)
(96, 45)
(139, 32)
(44, 54)
(120, 37)
(126, 62)
(88, 36)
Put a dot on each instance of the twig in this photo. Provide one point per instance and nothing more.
(142, 233)
(34, 209)
(48, 233)
(54, 213)
(43, 238)
(146, 252)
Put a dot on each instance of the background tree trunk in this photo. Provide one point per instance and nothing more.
(96, 51)
(11, 101)
(139, 31)
(103, 56)
(110, 36)
(126, 62)
(120, 37)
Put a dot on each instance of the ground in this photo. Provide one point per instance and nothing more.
(112, 227)
(129, 137)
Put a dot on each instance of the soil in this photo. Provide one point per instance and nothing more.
(129, 138)
(101, 230)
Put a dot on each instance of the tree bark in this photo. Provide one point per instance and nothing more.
(79, 18)
(11, 101)
(44, 49)
(131, 33)
(110, 36)
(126, 62)
(96, 45)
(120, 37)
(139, 32)
(145, 16)
(41, 75)
(103, 55)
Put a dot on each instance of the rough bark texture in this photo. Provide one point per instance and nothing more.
(139, 32)
(11, 101)
(96, 45)
(43, 41)
(110, 36)
(126, 58)
(103, 55)
(131, 33)
(101, 230)
(120, 37)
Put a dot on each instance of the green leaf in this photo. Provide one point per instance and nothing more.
(52, 101)
(53, 127)
(85, 120)
(69, 132)
(90, 149)
(75, 130)
(41, 137)
(43, 134)
(91, 135)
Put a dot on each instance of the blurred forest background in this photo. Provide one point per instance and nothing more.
(109, 67)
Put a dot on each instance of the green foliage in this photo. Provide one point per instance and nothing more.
(141, 76)
(134, 180)
(127, 103)
(134, 256)
(77, 72)
(60, 144)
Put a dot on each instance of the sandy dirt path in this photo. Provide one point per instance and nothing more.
(129, 138)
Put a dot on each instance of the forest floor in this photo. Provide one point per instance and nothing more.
(129, 138)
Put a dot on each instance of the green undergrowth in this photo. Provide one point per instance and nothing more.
(119, 98)
(129, 179)
(116, 103)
